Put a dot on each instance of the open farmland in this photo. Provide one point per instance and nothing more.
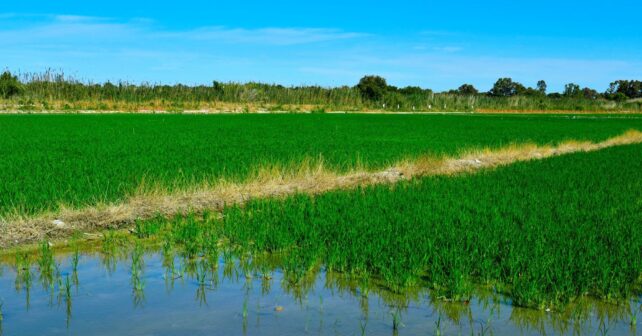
(554, 225)
(553, 234)
(336, 168)
(76, 161)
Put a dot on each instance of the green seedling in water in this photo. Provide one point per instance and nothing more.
(109, 243)
(67, 289)
(603, 328)
(633, 313)
(1, 317)
(201, 272)
(363, 325)
(484, 329)
(137, 265)
(75, 257)
(45, 259)
(396, 319)
(68, 301)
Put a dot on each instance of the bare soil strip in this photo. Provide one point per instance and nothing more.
(309, 179)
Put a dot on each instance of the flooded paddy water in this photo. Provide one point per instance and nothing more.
(154, 293)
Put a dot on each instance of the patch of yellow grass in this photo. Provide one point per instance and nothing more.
(309, 177)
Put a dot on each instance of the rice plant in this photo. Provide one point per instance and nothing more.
(68, 299)
(47, 266)
(137, 269)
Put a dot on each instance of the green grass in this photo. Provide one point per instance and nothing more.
(543, 232)
(80, 160)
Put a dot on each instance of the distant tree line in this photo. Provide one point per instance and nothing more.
(505, 87)
(375, 89)
(370, 92)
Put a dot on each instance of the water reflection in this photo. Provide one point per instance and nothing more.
(238, 293)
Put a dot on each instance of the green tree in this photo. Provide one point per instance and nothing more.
(619, 97)
(589, 93)
(572, 90)
(467, 90)
(412, 91)
(9, 85)
(541, 86)
(629, 88)
(505, 87)
(372, 88)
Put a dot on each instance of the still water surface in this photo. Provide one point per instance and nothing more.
(174, 296)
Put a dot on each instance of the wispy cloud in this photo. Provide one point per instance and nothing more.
(448, 49)
(93, 28)
(78, 19)
(271, 36)
(65, 28)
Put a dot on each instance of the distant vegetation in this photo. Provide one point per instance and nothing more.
(55, 91)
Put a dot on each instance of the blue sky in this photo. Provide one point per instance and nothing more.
(433, 44)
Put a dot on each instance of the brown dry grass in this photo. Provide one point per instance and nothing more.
(274, 182)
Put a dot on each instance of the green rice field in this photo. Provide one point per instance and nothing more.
(545, 232)
(80, 160)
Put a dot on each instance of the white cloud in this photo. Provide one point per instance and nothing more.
(271, 36)
(78, 19)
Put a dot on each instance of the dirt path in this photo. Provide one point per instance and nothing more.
(274, 183)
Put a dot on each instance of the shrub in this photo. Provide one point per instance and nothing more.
(9, 85)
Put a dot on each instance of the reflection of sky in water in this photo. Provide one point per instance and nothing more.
(229, 303)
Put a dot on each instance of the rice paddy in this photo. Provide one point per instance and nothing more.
(86, 160)
(544, 238)
(558, 237)
(538, 231)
